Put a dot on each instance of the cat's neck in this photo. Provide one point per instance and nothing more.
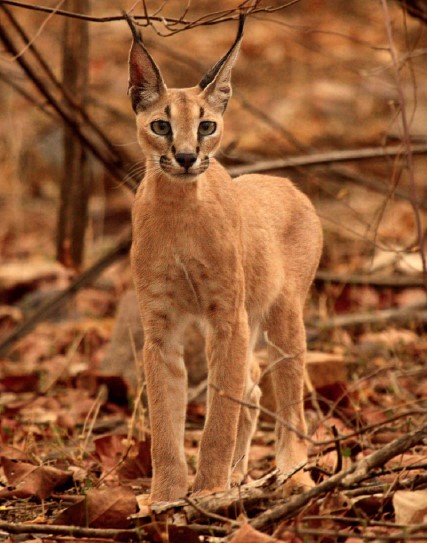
(160, 189)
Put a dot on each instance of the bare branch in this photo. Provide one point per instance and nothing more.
(389, 281)
(415, 201)
(71, 531)
(172, 25)
(345, 155)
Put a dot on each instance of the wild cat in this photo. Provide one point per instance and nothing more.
(239, 255)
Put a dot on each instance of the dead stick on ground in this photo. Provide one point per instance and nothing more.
(342, 480)
(409, 533)
(411, 483)
(216, 503)
(347, 479)
(71, 531)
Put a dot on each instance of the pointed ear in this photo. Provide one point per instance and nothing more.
(216, 84)
(146, 84)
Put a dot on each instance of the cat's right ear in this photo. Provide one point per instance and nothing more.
(146, 85)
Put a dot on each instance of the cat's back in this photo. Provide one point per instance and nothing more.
(273, 201)
(281, 231)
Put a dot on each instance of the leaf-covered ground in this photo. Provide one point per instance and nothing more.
(74, 442)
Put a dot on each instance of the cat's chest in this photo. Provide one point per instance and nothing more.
(175, 236)
(181, 284)
(185, 267)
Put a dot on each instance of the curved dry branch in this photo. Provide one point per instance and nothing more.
(173, 25)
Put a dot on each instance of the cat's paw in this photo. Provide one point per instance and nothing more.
(297, 484)
(238, 479)
(206, 492)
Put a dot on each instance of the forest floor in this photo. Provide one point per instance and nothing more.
(74, 442)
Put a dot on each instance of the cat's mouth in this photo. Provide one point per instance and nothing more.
(182, 173)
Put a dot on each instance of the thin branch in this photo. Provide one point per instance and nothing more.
(346, 155)
(208, 514)
(406, 140)
(82, 17)
(408, 533)
(71, 531)
(173, 25)
(266, 411)
(401, 314)
(390, 281)
(27, 95)
(57, 83)
(115, 166)
(410, 483)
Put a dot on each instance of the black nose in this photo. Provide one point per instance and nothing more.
(186, 160)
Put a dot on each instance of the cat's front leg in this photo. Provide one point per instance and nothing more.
(166, 380)
(227, 353)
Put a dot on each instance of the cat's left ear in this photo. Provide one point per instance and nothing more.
(216, 84)
(146, 85)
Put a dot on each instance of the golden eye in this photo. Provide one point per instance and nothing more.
(206, 128)
(161, 128)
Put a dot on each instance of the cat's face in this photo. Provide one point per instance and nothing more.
(179, 130)
(179, 133)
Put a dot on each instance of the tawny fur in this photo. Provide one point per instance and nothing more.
(238, 254)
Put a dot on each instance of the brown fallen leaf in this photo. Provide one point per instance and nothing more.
(289, 537)
(127, 461)
(19, 383)
(107, 508)
(247, 534)
(410, 506)
(13, 274)
(12, 453)
(29, 480)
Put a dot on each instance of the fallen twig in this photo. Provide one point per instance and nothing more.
(343, 480)
(408, 533)
(72, 531)
(410, 483)
(213, 504)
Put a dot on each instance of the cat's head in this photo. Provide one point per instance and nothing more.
(179, 130)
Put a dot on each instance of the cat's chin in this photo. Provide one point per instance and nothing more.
(179, 177)
(183, 177)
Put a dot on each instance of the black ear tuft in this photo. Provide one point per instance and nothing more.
(135, 33)
(213, 72)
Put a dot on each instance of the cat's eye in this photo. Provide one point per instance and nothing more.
(161, 128)
(206, 128)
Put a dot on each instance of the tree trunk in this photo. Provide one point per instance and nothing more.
(76, 181)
